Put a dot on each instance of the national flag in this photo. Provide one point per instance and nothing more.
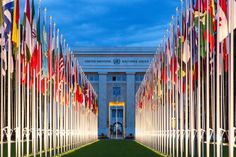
(168, 52)
(211, 25)
(35, 56)
(28, 33)
(186, 45)
(39, 47)
(61, 65)
(50, 43)
(45, 49)
(2, 44)
(223, 21)
(8, 8)
(15, 28)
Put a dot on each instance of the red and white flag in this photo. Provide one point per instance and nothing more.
(223, 21)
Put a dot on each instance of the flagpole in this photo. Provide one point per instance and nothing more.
(186, 88)
(177, 93)
(218, 131)
(191, 84)
(64, 106)
(54, 111)
(181, 89)
(2, 95)
(199, 90)
(231, 114)
(50, 80)
(9, 96)
(34, 139)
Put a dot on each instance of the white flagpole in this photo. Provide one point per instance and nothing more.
(64, 107)
(207, 90)
(45, 106)
(186, 88)
(55, 112)
(231, 114)
(218, 131)
(199, 90)
(191, 85)
(9, 96)
(181, 91)
(34, 138)
(2, 95)
(50, 90)
(177, 96)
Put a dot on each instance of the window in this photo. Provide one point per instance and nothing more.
(93, 77)
(139, 77)
(116, 91)
(117, 78)
(119, 113)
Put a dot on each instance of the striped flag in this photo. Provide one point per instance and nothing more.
(61, 65)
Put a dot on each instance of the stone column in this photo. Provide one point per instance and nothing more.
(102, 120)
(130, 104)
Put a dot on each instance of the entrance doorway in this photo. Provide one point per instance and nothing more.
(116, 120)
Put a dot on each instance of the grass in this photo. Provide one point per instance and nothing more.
(115, 149)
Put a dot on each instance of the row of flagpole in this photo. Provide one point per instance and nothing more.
(185, 105)
(48, 106)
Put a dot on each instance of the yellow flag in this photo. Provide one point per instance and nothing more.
(15, 27)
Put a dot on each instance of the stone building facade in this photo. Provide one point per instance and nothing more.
(115, 74)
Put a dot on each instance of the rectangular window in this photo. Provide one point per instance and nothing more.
(116, 91)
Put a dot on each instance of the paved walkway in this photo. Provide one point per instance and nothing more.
(112, 148)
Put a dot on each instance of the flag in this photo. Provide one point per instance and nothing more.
(50, 43)
(2, 43)
(211, 25)
(45, 49)
(61, 65)
(223, 21)
(28, 34)
(8, 8)
(15, 28)
(39, 47)
(34, 58)
(186, 46)
(168, 53)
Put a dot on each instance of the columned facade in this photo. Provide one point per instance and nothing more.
(103, 110)
(116, 74)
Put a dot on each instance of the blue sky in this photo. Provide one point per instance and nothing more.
(110, 23)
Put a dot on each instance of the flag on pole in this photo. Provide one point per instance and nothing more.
(15, 28)
(211, 25)
(39, 48)
(8, 8)
(28, 34)
(61, 65)
(223, 21)
(50, 43)
(2, 43)
(45, 48)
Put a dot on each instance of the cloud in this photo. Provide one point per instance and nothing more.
(111, 22)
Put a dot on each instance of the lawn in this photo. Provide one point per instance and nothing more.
(112, 148)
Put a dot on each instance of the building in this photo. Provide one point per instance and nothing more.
(116, 74)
